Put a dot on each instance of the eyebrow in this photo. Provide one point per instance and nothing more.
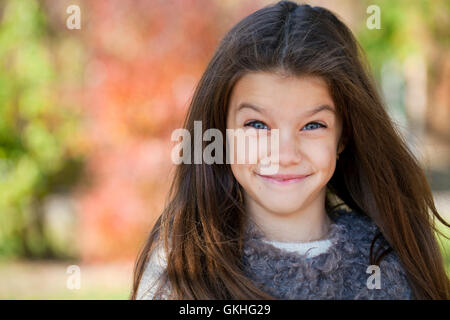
(313, 111)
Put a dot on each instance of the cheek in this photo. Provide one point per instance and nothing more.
(322, 156)
(244, 175)
(241, 173)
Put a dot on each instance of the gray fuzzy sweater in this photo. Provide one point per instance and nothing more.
(341, 272)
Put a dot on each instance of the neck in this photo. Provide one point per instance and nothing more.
(309, 224)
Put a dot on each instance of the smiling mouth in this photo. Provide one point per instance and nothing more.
(283, 179)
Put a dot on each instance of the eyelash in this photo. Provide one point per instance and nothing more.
(257, 121)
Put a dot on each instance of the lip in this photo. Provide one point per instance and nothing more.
(283, 179)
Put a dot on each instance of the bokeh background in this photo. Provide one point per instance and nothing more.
(86, 116)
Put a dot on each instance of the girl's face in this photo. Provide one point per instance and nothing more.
(308, 140)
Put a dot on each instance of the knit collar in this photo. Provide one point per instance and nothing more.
(338, 232)
(291, 275)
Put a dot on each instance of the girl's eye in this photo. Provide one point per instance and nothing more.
(314, 125)
(256, 124)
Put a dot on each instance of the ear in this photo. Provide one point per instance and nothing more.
(341, 145)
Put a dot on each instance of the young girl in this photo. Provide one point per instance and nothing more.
(348, 215)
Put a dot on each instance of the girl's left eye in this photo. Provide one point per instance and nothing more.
(314, 123)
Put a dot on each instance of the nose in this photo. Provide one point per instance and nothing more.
(289, 149)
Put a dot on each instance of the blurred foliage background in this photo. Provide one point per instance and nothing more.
(86, 117)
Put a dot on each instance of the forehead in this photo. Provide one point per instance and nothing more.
(272, 90)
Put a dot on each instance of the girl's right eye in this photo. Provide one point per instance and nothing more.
(256, 124)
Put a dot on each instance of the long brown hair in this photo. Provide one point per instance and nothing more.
(377, 175)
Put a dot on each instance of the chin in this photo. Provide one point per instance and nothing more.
(279, 208)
